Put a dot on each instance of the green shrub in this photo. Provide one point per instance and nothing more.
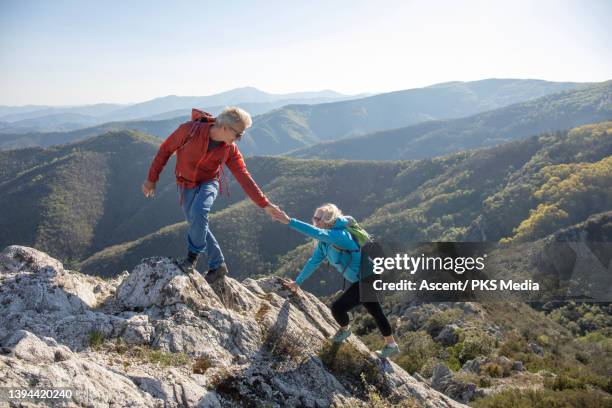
(363, 324)
(375, 400)
(473, 343)
(493, 370)
(146, 354)
(452, 356)
(417, 348)
(563, 382)
(484, 382)
(437, 321)
(583, 358)
(200, 365)
(96, 339)
(373, 340)
(346, 361)
(514, 398)
(576, 380)
(513, 345)
(544, 340)
(599, 338)
(164, 358)
(583, 318)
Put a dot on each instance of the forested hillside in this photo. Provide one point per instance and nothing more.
(456, 197)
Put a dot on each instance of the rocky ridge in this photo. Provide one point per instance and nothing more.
(156, 337)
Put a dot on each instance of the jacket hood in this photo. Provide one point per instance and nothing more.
(343, 221)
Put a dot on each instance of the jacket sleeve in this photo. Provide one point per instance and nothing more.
(311, 266)
(329, 236)
(166, 149)
(236, 164)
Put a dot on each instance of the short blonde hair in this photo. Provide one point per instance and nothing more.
(329, 214)
(233, 116)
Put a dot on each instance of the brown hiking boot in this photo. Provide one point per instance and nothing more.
(188, 264)
(214, 274)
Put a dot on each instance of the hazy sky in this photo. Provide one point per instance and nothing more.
(77, 52)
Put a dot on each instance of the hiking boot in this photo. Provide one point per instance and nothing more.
(215, 274)
(388, 350)
(189, 263)
(341, 335)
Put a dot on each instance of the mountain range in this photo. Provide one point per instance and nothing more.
(548, 113)
(292, 127)
(296, 126)
(29, 119)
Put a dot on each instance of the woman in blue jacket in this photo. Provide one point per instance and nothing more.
(336, 244)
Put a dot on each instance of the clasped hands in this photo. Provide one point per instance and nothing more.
(277, 214)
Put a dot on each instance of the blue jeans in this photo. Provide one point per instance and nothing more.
(197, 202)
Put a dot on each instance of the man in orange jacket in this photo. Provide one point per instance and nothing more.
(203, 145)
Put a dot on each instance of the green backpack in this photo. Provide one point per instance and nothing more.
(360, 235)
(364, 241)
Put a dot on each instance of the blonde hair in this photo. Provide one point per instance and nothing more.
(233, 116)
(329, 214)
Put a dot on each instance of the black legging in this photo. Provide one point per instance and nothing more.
(349, 300)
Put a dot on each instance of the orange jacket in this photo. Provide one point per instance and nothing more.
(194, 164)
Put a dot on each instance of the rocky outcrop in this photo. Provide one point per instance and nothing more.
(448, 335)
(474, 365)
(580, 258)
(443, 380)
(159, 338)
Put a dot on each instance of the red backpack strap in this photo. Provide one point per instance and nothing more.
(201, 116)
(197, 117)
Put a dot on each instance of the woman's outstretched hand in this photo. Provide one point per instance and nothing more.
(282, 217)
(291, 285)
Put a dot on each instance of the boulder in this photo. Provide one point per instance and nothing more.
(474, 365)
(443, 381)
(537, 349)
(448, 335)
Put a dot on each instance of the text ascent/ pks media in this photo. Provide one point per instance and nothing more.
(485, 285)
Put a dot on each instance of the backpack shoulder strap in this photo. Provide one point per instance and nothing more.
(197, 118)
(337, 248)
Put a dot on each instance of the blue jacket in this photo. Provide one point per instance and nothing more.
(337, 235)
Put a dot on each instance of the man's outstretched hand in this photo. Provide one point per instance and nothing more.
(148, 188)
(276, 213)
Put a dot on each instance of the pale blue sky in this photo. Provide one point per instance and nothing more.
(76, 52)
